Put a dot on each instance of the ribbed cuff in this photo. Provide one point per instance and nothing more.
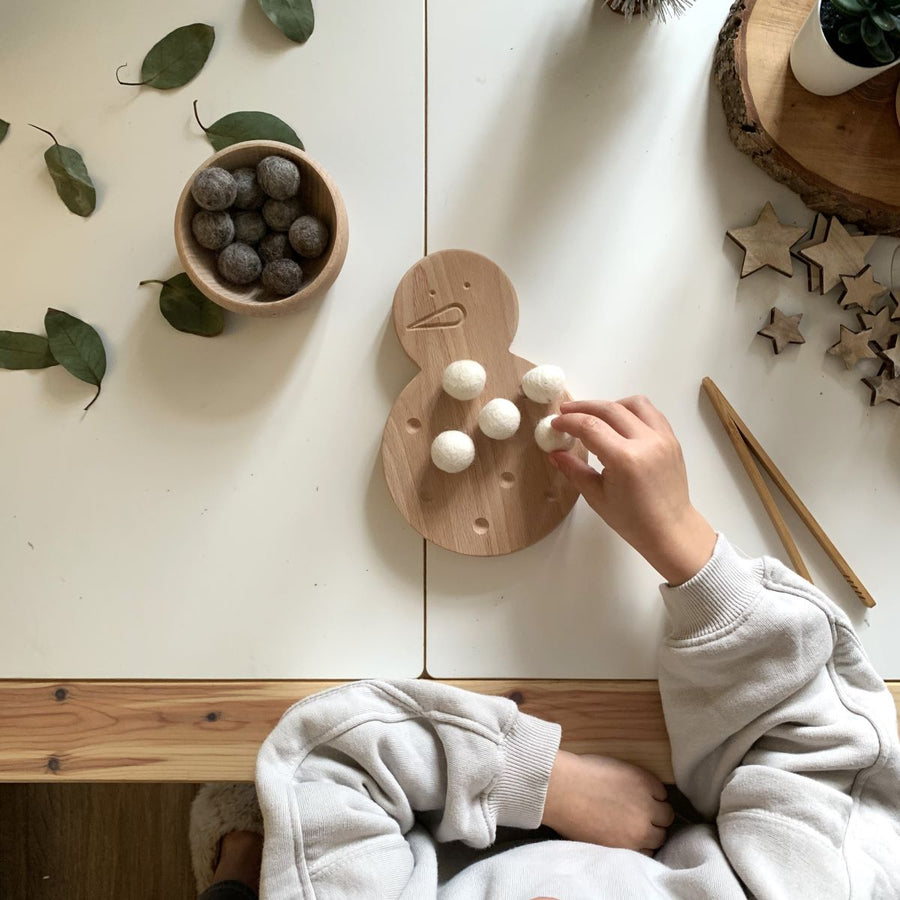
(530, 750)
(716, 596)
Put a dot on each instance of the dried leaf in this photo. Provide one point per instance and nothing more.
(77, 348)
(20, 350)
(4, 128)
(70, 175)
(175, 59)
(295, 18)
(186, 309)
(248, 126)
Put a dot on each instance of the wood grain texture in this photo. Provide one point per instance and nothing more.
(782, 330)
(90, 841)
(211, 730)
(839, 153)
(841, 253)
(319, 196)
(459, 305)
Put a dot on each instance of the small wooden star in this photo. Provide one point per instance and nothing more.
(841, 253)
(782, 330)
(883, 388)
(891, 357)
(853, 347)
(882, 326)
(766, 243)
(816, 236)
(861, 290)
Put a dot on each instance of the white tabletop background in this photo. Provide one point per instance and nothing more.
(220, 511)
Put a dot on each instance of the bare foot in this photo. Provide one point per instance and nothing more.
(240, 858)
(602, 800)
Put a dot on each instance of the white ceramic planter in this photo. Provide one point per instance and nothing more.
(818, 68)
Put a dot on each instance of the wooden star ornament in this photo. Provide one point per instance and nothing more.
(782, 330)
(882, 326)
(891, 357)
(883, 388)
(861, 290)
(816, 236)
(852, 347)
(766, 243)
(841, 253)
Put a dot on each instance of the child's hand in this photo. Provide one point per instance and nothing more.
(605, 801)
(642, 492)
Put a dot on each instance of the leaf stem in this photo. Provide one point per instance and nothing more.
(151, 281)
(132, 83)
(197, 117)
(94, 400)
(55, 141)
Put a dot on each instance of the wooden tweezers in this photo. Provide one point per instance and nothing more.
(752, 456)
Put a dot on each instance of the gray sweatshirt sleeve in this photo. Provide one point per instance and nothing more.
(782, 732)
(344, 773)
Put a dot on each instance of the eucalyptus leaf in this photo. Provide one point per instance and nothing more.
(20, 350)
(175, 59)
(295, 18)
(77, 348)
(4, 128)
(70, 175)
(248, 126)
(186, 309)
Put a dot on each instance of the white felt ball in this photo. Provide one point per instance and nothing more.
(452, 451)
(549, 439)
(544, 384)
(499, 419)
(464, 379)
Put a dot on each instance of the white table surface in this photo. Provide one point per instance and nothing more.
(220, 511)
(589, 158)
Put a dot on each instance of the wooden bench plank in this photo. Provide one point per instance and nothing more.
(211, 730)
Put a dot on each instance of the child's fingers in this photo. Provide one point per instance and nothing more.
(598, 436)
(647, 413)
(656, 837)
(663, 815)
(586, 479)
(616, 415)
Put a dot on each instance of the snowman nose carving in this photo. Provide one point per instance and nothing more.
(450, 316)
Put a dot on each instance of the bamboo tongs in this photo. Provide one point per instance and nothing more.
(752, 455)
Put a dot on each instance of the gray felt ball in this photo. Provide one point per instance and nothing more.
(282, 277)
(213, 230)
(280, 213)
(239, 264)
(278, 177)
(273, 246)
(249, 227)
(214, 188)
(249, 194)
(309, 236)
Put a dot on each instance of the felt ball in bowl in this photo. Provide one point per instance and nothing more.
(235, 274)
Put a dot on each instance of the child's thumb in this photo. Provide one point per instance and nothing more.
(583, 477)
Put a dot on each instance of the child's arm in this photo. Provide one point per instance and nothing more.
(780, 728)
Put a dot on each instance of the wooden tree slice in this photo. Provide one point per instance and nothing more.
(840, 154)
(459, 305)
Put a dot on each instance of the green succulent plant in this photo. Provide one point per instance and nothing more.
(870, 27)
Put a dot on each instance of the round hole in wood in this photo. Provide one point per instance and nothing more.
(550, 497)
(467, 285)
(507, 479)
(432, 292)
(481, 526)
(413, 425)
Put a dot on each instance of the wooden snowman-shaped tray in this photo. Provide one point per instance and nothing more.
(456, 305)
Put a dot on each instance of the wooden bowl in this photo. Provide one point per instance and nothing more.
(319, 196)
